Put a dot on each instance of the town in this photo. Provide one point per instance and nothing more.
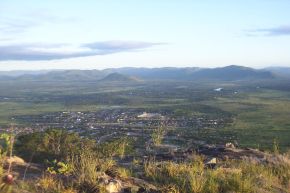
(117, 122)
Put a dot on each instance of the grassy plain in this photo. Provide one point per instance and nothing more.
(260, 115)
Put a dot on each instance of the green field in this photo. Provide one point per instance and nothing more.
(259, 115)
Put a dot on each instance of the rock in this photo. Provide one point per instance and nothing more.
(141, 183)
(111, 185)
(104, 178)
(230, 145)
(114, 186)
(211, 162)
(138, 185)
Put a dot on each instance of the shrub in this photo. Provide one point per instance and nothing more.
(5, 143)
(51, 144)
(158, 135)
(59, 168)
(85, 168)
(119, 147)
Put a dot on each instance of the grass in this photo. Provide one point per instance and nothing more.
(13, 109)
(87, 170)
(272, 174)
(242, 176)
(260, 117)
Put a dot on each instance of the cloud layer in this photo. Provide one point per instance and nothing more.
(275, 31)
(19, 24)
(63, 51)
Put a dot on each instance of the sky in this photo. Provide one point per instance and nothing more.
(99, 34)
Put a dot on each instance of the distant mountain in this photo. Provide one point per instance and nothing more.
(157, 73)
(279, 71)
(16, 73)
(66, 75)
(228, 73)
(119, 77)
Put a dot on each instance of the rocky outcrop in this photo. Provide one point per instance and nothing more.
(113, 186)
(123, 185)
(212, 153)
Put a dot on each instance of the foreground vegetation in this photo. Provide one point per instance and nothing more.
(87, 167)
(231, 176)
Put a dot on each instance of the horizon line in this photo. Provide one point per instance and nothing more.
(101, 69)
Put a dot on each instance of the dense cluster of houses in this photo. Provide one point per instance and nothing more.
(116, 122)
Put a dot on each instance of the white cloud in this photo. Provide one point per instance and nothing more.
(62, 51)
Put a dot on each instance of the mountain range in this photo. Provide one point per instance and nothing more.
(228, 73)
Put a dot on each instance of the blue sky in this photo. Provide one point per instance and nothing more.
(97, 34)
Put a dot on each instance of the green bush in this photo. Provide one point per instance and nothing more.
(51, 144)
